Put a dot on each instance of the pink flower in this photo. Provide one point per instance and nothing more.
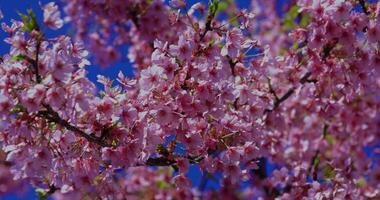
(55, 97)
(151, 77)
(373, 32)
(316, 40)
(105, 106)
(164, 115)
(61, 69)
(232, 155)
(52, 16)
(183, 165)
(232, 173)
(233, 43)
(184, 48)
(5, 105)
(112, 155)
(332, 30)
(340, 11)
(33, 97)
(249, 151)
(153, 136)
(19, 44)
(181, 181)
(281, 176)
(359, 21)
(129, 115)
(183, 96)
(193, 141)
(229, 122)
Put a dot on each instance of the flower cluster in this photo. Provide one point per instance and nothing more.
(225, 95)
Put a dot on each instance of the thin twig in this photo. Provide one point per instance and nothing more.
(53, 116)
(364, 6)
(277, 100)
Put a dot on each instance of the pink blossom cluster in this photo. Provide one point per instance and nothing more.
(107, 25)
(307, 100)
(7, 183)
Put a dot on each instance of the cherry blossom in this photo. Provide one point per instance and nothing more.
(52, 16)
(232, 96)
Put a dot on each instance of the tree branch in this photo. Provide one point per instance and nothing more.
(278, 101)
(35, 62)
(53, 116)
(232, 65)
(160, 161)
(209, 18)
(364, 6)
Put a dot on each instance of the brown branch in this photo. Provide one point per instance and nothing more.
(35, 62)
(261, 170)
(160, 161)
(283, 98)
(326, 51)
(52, 189)
(305, 79)
(271, 90)
(278, 101)
(210, 17)
(232, 65)
(166, 161)
(53, 116)
(5, 163)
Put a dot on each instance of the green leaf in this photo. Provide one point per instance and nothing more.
(361, 182)
(330, 139)
(290, 16)
(98, 179)
(211, 42)
(293, 12)
(328, 171)
(42, 193)
(102, 94)
(162, 184)
(222, 6)
(211, 118)
(114, 143)
(18, 108)
(170, 171)
(33, 19)
(52, 125)
(18, 57)
(305, 20)
(295, 45)
(30, 21)
(24, 18)
(316, 162)
(213, 6)
(327, 136)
